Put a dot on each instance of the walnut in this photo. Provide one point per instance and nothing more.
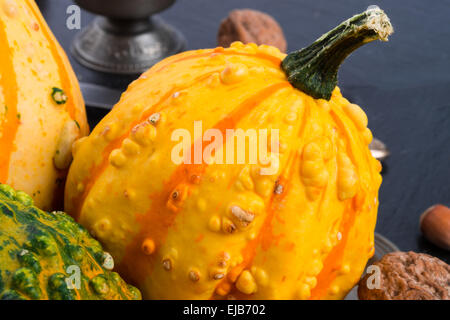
(407, 276)
(247, 26)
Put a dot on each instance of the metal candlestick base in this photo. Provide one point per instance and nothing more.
(126, 40)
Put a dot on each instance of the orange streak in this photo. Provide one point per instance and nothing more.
(199, 237)
(66, 83)
(334, 259)
(156, 222)
(8, 83)
(265, 235)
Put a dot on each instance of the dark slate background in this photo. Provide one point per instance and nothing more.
(403, 85)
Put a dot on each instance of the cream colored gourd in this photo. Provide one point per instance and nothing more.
(41, 108)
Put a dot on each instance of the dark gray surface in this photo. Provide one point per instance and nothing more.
(403, 85)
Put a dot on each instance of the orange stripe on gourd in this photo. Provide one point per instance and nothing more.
(333, 260)
(265, 235)
(11, 123)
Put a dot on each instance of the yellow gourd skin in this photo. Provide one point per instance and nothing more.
(172, 228)
(34, 129)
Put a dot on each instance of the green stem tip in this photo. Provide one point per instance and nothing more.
(314, 68)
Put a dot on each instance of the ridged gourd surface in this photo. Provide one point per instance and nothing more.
(35, 131)
(49, 256)
(216, 231)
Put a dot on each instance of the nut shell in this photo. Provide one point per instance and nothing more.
(408, 276)
(248, 26)
(435, 225)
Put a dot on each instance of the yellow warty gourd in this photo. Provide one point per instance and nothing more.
(41, 107)
(215, 230)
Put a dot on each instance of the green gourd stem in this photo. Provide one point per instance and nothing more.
(314, 69)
